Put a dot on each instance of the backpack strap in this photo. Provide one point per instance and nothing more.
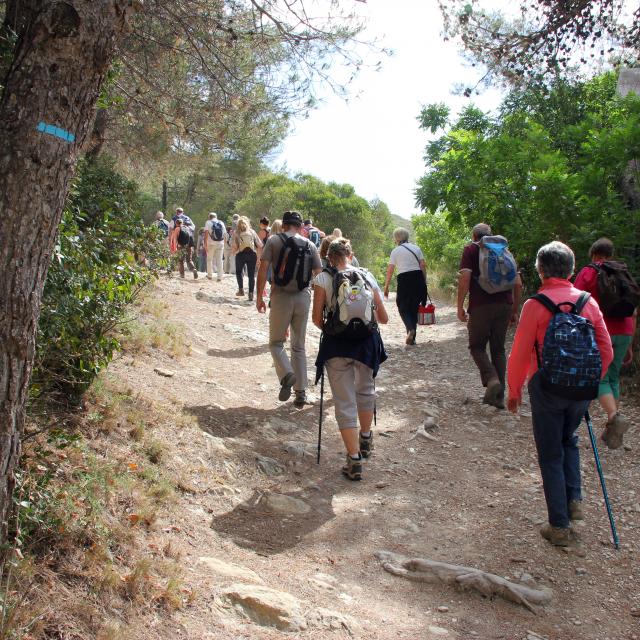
(546, 302)
(581, 301)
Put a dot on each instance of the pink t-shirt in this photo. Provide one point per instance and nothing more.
(534, 320)
(587, 280)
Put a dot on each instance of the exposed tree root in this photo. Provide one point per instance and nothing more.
(488, 584)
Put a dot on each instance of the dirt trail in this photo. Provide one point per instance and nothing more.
(471, 497)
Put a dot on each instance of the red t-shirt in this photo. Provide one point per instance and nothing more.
(587, 280)
(477, 295)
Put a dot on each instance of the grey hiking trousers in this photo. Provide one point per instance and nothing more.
(289, 310)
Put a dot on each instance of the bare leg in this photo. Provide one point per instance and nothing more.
(365, 418)
(609, 404)
(351, 442)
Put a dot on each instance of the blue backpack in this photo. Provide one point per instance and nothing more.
(217, 232)
(498, 269)
(570, 365)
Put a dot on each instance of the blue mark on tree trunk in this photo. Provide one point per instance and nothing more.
(52, 130)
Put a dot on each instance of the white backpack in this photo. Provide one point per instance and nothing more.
(351, 310)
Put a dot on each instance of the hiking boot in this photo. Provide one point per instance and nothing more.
(411, 337)
(366, 445)
(240, 292)
(209, 277)
(353, 468)
(492, 394)
(614, 431)
(559, 536)
(250, 297)
(300, 400)
(195, 274)
(575, 510)
(285, 386)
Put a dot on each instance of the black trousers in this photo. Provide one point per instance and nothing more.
(412, 291)
(248, 258)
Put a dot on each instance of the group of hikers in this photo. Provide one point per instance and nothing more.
(570, 344)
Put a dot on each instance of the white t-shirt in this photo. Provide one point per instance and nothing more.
(208, 226)
(406, 259)
(325, 280)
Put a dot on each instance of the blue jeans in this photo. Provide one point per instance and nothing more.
(555, 421)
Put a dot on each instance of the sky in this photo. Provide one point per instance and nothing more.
(373, 141)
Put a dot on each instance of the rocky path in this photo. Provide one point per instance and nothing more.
(274, 544)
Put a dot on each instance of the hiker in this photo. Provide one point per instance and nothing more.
(188, 224)
(312, 233)
(161, 224)
(227, 253)
(412, 281)
(621, 327)
(493, 305)
(201, 249)
(324, 249)
(555, 415)
(216, 236)
(294, 260)
(246, 246)
(181, 244)
(264, 231)
(351, 348)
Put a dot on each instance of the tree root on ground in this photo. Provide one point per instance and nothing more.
(488, 584)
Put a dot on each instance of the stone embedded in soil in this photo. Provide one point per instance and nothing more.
(267, 607)
(285, 505)
(165, 373)
(298, 449)
(230, 570)
(328, 619)
(269, 466)
(438, 631)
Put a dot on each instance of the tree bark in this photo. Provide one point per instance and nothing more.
(62, 53)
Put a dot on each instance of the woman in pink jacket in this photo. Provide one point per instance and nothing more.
(555, 418)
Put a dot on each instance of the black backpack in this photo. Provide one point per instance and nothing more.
(294, 261)
(618, 292)
(570, 364)
(184, 237)
(217, 232)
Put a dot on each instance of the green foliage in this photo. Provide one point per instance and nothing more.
(550, 166)
(367, 224)
(95, 273)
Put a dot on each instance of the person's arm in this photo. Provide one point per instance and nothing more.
(464, 282)
(387, 280)
(520, 356)
(319, 298)
(517, 295)
(423, 267)
(259, 245)
(382, 317)
(603, 339)
(261, 284)
(628, 357)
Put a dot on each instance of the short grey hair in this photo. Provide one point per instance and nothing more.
(555, 260)
(400, 235)
(481, 230)
(213, 216)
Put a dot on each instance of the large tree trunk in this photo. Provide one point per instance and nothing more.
(63, 51)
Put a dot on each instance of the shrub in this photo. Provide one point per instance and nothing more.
(96, 271)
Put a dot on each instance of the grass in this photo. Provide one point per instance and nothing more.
(87, 493)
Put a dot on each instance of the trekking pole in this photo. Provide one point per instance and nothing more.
(375, 405)
(616, 542)
(321, 404)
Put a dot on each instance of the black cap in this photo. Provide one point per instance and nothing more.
(292, 217)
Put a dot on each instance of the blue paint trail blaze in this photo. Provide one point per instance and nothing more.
(52, 130)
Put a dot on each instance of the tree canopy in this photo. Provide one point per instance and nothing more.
(539, 38)
(551, 165)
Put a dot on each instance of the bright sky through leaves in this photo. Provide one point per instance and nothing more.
(373, 142)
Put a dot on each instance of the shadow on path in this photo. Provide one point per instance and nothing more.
(242, 352)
